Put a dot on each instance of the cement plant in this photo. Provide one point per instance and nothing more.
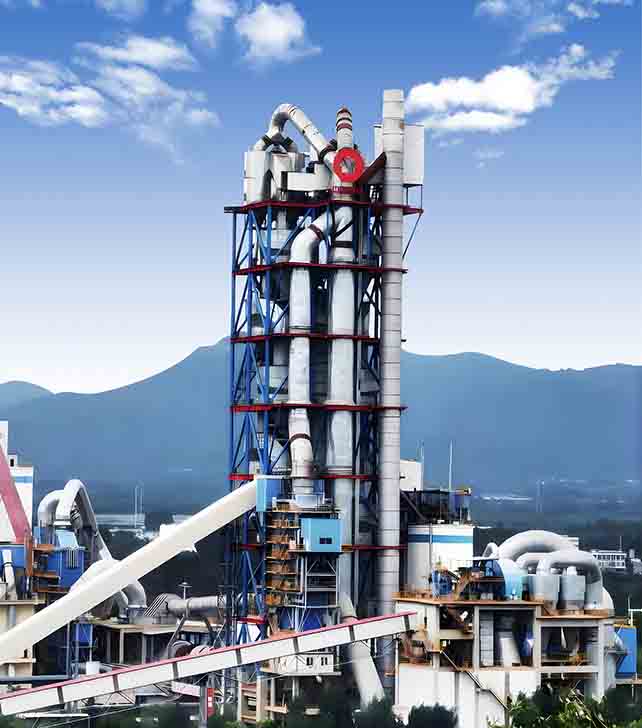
(341, 565)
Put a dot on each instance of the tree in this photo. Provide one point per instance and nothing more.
(378, 714)
(335, 702)
(435, 716)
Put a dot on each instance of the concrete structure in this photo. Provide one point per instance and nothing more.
(491, 637)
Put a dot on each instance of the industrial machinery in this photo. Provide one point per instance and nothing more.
(339, 561)
(315, 341)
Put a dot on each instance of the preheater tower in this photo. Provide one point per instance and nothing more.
(317, 265)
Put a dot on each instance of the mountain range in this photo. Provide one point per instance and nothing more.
(510, 425)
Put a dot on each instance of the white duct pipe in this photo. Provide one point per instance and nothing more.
(530, 559)
(491, 551)
(104, 609)
(47, 509)
(197, 606)
(390, 351)
(584, 561)
(47, 518)
(341, 364)
(288, 112)
(607, 602)
(73, 503)
(170, 543)
(361, 662)
(532, 541)
(301, 251)
(9, 574)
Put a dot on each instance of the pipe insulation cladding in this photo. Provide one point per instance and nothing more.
(339, 449)
(390, 352)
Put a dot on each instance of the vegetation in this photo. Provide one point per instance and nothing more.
(570, 710)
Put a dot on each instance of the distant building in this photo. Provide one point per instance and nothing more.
(636, 565)
(610, 560)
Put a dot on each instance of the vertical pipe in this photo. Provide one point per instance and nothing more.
(340, 455)
(390, 348)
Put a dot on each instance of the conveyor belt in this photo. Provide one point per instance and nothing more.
(130, 678)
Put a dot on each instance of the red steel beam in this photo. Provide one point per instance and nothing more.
(263, 268)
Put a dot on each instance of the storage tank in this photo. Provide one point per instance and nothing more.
(445, 545)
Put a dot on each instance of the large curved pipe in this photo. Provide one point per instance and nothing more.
(491, 551)
(299, 119)
(583, 561)
(47, 509)
(532, 541)
(71, 508)
(607, 602)
(530, 559)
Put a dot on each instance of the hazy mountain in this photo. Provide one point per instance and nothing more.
(16, 393)
(510, 424)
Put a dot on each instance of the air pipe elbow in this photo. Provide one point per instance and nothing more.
(583, 561)
(299, 119)
(532, 541)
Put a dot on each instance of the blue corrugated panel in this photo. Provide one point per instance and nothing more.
(17, 554)
(69, 564)
(266, 491)
(628, 664)
(321, 535)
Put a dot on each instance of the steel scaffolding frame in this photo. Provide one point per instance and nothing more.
(258, 406)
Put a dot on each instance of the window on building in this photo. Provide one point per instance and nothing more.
(325, 540)
(309, 662)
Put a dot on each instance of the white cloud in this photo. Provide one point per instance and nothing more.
(473, 121)
(505, 98)
(274, 33)
(535, 18)
(127, 95)
(154, 109)
(206, 19)
(157, 53)
(48, 94)
(125, 9)
(582, 12)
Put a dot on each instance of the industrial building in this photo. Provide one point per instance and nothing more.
(339, 562)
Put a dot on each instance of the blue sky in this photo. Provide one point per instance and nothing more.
(123, 124)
